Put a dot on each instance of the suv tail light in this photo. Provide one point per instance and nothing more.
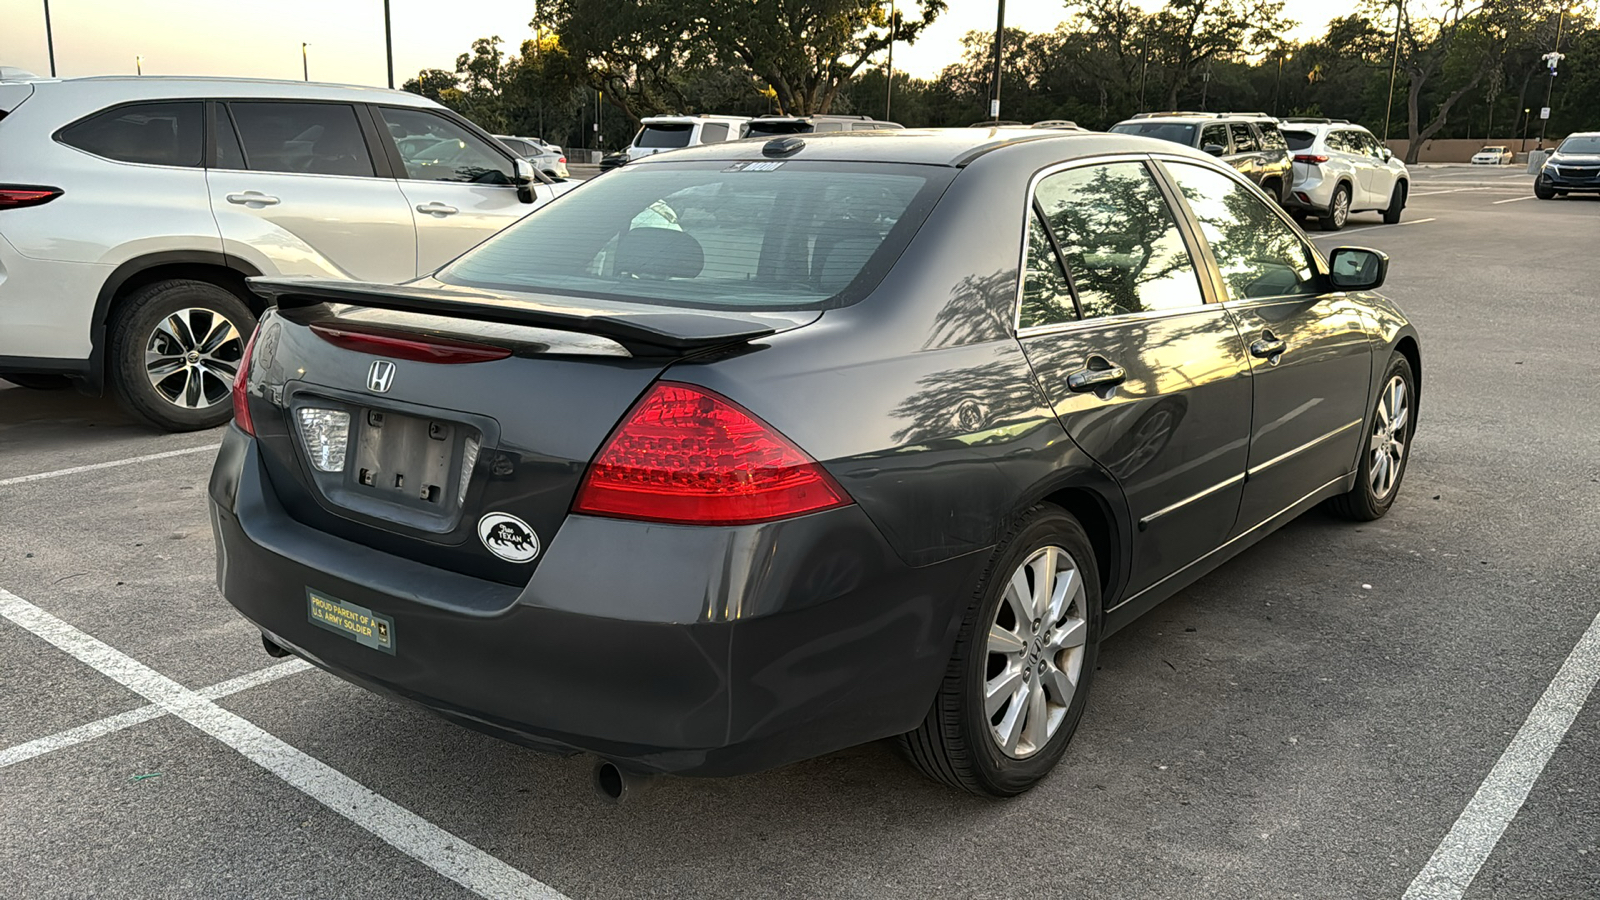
(241, 393)
(1312, 158)
(562, 160)
(15, 196)
(686, 455)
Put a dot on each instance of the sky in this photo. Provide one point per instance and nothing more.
(261, 38)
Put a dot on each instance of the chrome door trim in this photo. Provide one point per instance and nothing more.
(1257, 469)
(1221, 485)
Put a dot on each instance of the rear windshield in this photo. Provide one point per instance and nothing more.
(663, 136)
(1584, 144)
(789, 235)
(768, 129)
(1299, 140)
(1176, 132)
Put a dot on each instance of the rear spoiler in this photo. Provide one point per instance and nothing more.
(643, 330)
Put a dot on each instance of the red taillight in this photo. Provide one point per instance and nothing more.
(563, 160)
(417, 348)
(686, 455)
(15, 196)
(241, 393)
(1311, 158)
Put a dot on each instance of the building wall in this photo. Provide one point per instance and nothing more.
(1458, 150)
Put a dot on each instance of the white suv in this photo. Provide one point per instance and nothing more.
(659, 134)
(133, 209)
(1341, 168)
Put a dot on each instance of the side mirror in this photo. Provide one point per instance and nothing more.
(524, 175)
(1357, 268)
(1215, 149)
(1386, 153)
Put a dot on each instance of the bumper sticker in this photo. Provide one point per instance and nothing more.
(508, 537)
(358, 623)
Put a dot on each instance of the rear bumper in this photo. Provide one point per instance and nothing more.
(719, 651)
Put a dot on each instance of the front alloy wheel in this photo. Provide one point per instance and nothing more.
(1385, 449)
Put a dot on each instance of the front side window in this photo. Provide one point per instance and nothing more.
(302, 138)
(789, 235)
(1258, 254)
(1119, 239)
(1214, 135)
(434, 148)
(157, 134)
(1244, 140)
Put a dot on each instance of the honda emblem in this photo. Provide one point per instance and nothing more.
(380, 377)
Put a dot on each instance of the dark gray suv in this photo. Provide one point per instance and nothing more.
(1250, 142)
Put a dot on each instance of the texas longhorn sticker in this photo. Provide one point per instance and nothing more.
(508, 537)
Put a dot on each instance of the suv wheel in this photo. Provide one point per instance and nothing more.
(1397, 203)
(1543, 190)
(1338, 209)
(175, 348)
(1019, 678)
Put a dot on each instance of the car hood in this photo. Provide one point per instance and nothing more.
(1576, 159)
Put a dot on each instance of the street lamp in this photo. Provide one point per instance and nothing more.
(1525, 114)
(1278, 85)
(305, 62)
(999, 46)
(888, 93)
(388, 42)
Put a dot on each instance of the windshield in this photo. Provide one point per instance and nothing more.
(742, 235)
(664, 136)
(1167, 131)
(1493, 150)
(1588, 143)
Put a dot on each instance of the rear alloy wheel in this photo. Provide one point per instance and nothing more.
(175, 348)
(1019, 678)
(1397, 204)
(1386, 449)
(1338, 209)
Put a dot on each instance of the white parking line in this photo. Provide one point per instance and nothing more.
(113, 724)
(1474, 836)
(1371, 228)
(22, 479)
(406, 831)
(1512, 200)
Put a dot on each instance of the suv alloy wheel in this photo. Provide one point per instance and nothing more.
(175, 349)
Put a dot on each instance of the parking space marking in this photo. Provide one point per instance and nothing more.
(390, 822)
(23, 479)
(1318, 237)
(1473, 837)
(1512, 200)
(112, 724)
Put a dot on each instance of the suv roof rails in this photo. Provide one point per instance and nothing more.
(1314, 120)
(1201, 115)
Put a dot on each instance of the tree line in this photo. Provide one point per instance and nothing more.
(1459, 68)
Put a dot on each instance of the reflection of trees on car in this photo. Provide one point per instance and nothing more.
(1257, 253)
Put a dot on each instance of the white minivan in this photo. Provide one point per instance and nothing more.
(133, 209)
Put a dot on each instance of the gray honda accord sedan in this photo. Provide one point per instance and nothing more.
(752, 452)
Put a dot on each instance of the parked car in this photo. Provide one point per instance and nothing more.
(1573, 168)
(549, 161)
(1339, 169)
(1492, 156)
(134, 208)
(658, 134)
(775, 126)
(1250, 142)
(754, 451)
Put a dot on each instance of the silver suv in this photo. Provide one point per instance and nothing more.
(1339, 169)
(133, 209)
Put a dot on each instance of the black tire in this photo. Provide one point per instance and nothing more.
(1274, 189)
(1543, 190)
(133, 328)
(1397, 203)
(954, 744)
(1363, 502)
(39, 382)
(1330, 221)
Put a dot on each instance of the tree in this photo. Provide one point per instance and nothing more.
(1192, 33)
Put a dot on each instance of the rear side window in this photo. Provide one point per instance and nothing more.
(1299, 140)
(785, 235)
(664, 136)
(1244, 140)
(1120, 240)
(713, 133)
(1271, 138)
(302, 138)
(157, 134)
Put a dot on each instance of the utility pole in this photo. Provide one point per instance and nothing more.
(1144, 68)
(1394, 68)
(1554, 57)
(999, 47)
(1277, 86)
(305, 62)
(138, 65)
(888, 93)
(388, 42)
(1205, 85)
(49, 39)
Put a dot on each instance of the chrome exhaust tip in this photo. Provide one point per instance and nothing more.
(616, 785)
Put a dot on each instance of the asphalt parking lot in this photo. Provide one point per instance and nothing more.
(1316, 719)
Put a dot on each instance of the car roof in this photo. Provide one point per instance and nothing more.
(1198, 117)
(923, 146)
(689, 120)
(140, 87)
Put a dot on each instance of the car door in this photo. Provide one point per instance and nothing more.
(461, 187)
(1146, 376)
(1309, 352)
(1246, 156)
(1377, 179)
(1345, 145)
(296, 190)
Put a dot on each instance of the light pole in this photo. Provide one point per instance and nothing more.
(888, 92)
(999, 46)
(305, 62)
(138, 65)
(1394, 68)
(1525, 114)
(1554, 57)
(388, 43)
(49, 39)
(1277, 85)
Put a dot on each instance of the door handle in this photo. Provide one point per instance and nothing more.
(256, 197)
(1096, 378)
(437, 209)
(1268, 348)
